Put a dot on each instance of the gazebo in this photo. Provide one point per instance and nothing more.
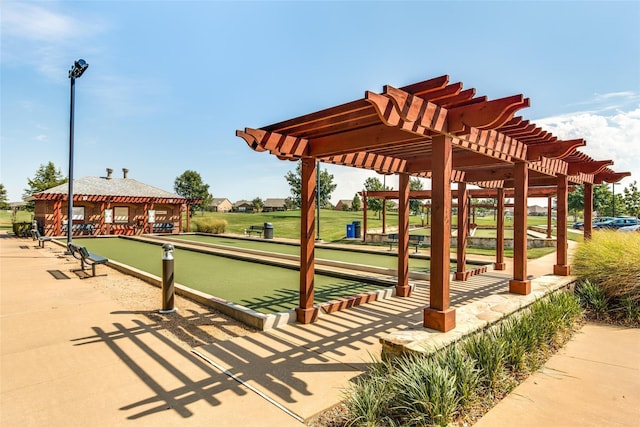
(438, 130)
(110, 205)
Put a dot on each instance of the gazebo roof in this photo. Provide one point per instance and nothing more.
(93, 188)
(394, 131)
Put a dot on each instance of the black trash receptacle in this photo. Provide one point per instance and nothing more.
(268, 230)
(357, 230)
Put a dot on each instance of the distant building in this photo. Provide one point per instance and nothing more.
(108, 205)
(243, 206)
(221, 205)
(273, 205)
(537, 210)
(344, 205)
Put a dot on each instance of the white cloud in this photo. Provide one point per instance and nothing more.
(38, 37)
(32, 22)
(609, 137)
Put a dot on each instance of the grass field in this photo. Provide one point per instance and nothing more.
(6, 219)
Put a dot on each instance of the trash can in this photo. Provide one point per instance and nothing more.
(357, 230)
(268, 230)
(350, 233)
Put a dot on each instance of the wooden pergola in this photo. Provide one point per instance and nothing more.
(438, 130)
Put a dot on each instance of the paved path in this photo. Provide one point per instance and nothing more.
(72, 356)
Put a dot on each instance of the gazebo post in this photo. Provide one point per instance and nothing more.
(402, 288)
(463, 219)
(384, 215)
(549, 213)
(500, 265)
(306, 312)
(562, 267)
(520, 284)
(588, 210)
(439, 315)
(364, 216)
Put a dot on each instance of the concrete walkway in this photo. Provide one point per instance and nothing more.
(71, 355)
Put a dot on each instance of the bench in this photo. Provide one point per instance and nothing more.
(163, 227)
(40, 238)
(414, 239)
(86, 257)
(79, 228)
(254, 229)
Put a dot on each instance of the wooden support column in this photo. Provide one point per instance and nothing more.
(588, 210)
(463, 227)
(549, 214)
(306, 312)
(384, 215)
(402, 288)
(364, 216)
(520, 284)
(188, 218)
(57, 218)
(500, 265)
(101, 228)
(562, 267)
(439, 315)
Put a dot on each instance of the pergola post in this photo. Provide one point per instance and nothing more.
(588, 210)
(562, 267)
(439, 315)
(463, 226)
(306, 312)
(364, 216)
(500, 265)
(402, 288)
(549, 213)
(384, 215)
(520, 284)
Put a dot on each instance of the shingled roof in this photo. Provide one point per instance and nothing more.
(100, 188)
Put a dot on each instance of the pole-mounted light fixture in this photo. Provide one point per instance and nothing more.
(79, 67)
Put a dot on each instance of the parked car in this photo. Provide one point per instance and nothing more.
(630, 228)
(580, 225)
(617, 223)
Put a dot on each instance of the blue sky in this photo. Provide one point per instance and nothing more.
(169, 82)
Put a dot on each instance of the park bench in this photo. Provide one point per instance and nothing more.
(163, 227)
(81, 228)
(40, 238)
(86, 257)
(414, 239)
(254, 229)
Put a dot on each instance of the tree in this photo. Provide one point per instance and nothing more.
(415, 184)
(632, 199)
(356, 203)
(189, 185)
(47, 176)
(258, 204)
(374, 184)
(3, 197)
(295, 183)
(575, 202)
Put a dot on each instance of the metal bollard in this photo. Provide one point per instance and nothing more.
(168, 290)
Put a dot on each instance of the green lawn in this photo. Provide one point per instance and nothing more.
(6, 218)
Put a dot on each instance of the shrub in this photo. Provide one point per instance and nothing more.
(609, 276)
(610, 260)
(210, 225)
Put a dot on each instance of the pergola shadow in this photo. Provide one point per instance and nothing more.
(176, 377)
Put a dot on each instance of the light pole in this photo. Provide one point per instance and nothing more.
(79, 67)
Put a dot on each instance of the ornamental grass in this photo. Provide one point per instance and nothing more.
(608, 271)
(461, 382)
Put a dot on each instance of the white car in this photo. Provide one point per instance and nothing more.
(630, 228)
